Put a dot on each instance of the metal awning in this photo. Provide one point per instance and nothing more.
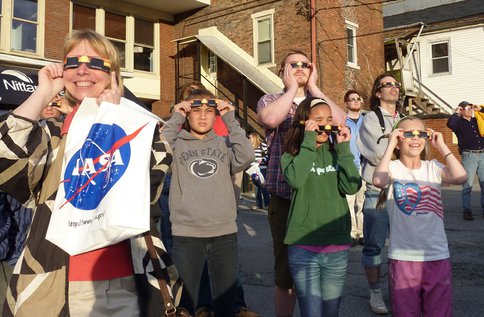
(248, 70)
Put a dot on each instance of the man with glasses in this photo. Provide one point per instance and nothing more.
(354, 118)
(384, 105)
(471, 146)
(275, 114)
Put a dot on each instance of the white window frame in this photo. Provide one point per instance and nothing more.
(354, 28)
(6, 30)
(256, 17)
(449, 59)
(129, 42)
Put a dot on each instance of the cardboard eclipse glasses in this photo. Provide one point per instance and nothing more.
(328, 128)
(201, 102)
(91, 62)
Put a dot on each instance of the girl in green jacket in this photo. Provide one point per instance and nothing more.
(318, 230)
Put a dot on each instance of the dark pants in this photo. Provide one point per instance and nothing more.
(220, 253)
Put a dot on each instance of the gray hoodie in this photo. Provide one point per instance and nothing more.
(202, 201)
(366, 142)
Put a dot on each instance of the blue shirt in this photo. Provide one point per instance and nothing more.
(354, 128)
(467, 133)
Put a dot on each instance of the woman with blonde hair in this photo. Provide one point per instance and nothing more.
(47, 281)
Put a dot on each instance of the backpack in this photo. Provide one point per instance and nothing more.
(15, 221)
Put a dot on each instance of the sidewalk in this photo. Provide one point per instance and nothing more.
(466, 243)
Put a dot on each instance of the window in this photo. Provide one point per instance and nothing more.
(135, 38)
(440, 58)
(143, 45)
(19, 25)
(212, 63)
(263, 25)
(352, 57)
(83, 17)
(115, 31)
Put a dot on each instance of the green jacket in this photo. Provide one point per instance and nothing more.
(321, 178)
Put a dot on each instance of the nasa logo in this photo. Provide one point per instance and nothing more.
(97, 166)
(203, 167)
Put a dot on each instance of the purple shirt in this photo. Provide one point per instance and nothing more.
(467, 133)
(275, 182)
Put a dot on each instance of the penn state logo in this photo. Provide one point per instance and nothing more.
(97, 166)
(203, 167)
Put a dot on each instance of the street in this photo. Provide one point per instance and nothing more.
(466, 244)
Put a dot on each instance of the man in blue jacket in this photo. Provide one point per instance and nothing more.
(353, 102)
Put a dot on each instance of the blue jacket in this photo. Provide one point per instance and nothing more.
(354, 128)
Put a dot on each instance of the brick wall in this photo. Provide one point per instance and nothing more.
(438, 123)
(292, 31)
(167, 71)
(56, 27)
(332, 46)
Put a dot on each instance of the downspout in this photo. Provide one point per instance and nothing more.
(313, 31)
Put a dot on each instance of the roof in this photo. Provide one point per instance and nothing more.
(229, 56)
(443, 13)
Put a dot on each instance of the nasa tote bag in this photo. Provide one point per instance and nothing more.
(104, 192)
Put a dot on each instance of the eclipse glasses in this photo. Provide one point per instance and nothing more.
(408, 134)
(297, 64)
(201, 102)
(91, 63)
(328, 128)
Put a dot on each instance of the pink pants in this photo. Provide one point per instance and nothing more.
(420, 288)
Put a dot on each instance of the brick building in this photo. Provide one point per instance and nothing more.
(230, 45)
(234, 47)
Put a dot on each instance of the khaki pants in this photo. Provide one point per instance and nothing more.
(108, 298)
(355, 203)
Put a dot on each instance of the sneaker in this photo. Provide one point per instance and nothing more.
(468, 216)
(376, 302)
(245, 312)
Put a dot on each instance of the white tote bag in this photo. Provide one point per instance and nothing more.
(104, 192)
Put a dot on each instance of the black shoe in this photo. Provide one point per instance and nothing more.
(360, 241)
(468, 216)
(354, 242)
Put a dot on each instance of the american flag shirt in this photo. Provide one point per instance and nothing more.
(416, 213)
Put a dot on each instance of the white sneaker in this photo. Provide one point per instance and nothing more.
(376, 302)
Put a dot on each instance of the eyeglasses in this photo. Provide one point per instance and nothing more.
(303, 65)
(91, 62)
(201, 102)
(389, 84)
(417, 133)
(355, 99)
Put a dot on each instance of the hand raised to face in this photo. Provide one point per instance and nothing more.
(113, 94)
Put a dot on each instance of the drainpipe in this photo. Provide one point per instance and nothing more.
(313, 31)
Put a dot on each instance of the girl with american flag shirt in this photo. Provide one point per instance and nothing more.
(419, 266)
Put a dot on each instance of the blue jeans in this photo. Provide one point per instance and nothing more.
(262, 195)
(375, 229)
(473, 163)
(220, 253)
(165, 223)
(319, 279)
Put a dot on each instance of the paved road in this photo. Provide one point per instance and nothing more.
(466, 243)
